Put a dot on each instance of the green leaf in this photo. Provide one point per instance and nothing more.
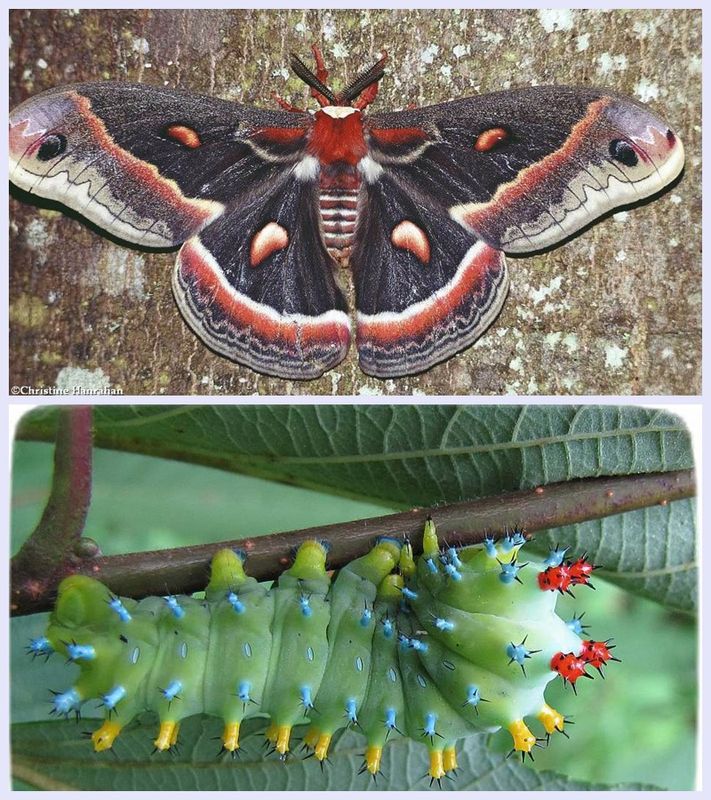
(649, 552)
(405, 456)
(53, 753)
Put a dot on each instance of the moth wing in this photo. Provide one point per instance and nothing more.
(258, 286)
(525, 169)
(151, 165)
(425, 287)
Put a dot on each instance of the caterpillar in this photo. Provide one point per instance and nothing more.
(458, 642)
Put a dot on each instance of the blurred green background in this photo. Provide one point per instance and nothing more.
(648, 703)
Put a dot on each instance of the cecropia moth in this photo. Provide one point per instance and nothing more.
(423, 203)
(458, 643)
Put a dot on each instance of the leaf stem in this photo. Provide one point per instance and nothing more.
(40, 562)
(185, 569)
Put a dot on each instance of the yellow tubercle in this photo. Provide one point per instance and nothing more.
(103, 737)
(390, 588)
(373, 754)
(551, 719)
(282, 739)
(407, 562)
(167, 736)
(311, 737)
(324, 740)
(436, 765)
(271, 732)
(430, 545)
(524, 740)
(226, 571)
(230, 736)
(310, 561)
(449, 759)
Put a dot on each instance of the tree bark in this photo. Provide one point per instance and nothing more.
(617, 310)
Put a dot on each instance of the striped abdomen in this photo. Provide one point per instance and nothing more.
(339, 211)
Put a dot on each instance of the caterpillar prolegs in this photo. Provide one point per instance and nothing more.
(461, 641)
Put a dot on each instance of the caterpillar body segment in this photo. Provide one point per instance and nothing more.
(454, 643)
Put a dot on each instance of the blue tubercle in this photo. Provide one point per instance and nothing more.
(429, 728)
(390, 718)
(174, 605)
(519, 653)
(305, 604)
(116, 605)
(454, 557)
(408, 593)
(555, 556)
(452, 572)
(509, 571)
(388, 628)
(431, 566)
(80, 652)
(473, 696)
(243, 691)
(113, 697)
(518, 537)
(351, 710)
(419, 645)
(172, 690)
(236, 603)
(490, 547)
(66, 702)
(40, 647)
(306, 700)
(443, 624)
(576, 625)
(366, 617)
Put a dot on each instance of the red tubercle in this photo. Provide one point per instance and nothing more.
(555, 579)
(597, 654)
(570, 667)
(567, 574)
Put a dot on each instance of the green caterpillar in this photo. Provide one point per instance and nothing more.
(456, 644)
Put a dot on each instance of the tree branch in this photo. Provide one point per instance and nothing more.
(47, 553)
(185, 569)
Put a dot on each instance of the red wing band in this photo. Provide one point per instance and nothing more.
(94, 176)
(292, 346)
(394, 344)
(566, 190)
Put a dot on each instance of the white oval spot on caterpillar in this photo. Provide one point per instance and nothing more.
(184, 650)
(339, 112)
(271, 238)
(247, 650)
(392, 675)
(309, 654)
(421, 681)
(370, 169)
(359, 664)
(135, 655)
(307, 169)
(408, 236)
